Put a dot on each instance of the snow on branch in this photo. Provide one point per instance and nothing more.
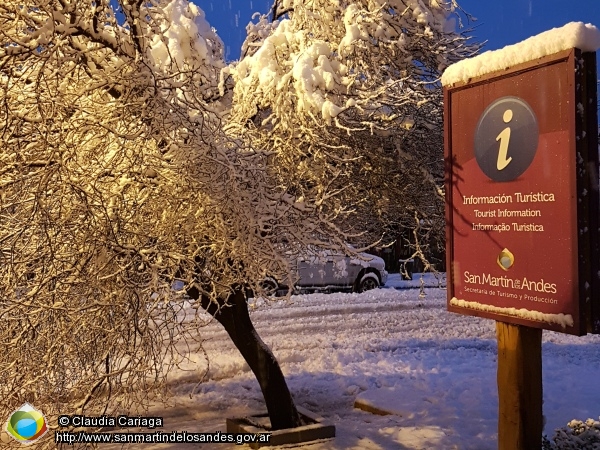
(351, 88)
(328, 56)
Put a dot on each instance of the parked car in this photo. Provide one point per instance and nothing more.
(325, 271)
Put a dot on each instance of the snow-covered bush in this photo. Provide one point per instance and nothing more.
(577, 435)
(346, 95)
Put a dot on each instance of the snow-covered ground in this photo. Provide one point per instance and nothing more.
(435, 369)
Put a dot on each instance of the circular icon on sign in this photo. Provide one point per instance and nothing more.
(506, 139)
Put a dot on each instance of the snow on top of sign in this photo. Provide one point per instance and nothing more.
(585, 37)
(563, 320)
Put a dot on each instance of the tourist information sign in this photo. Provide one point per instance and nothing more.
(522, 194)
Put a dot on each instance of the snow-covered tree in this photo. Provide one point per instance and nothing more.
(117, 185)
(346, 93)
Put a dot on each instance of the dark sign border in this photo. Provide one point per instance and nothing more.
(584, 125)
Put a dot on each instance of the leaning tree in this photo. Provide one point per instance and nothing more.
(346, 94)
(117, 178)
(117, 188)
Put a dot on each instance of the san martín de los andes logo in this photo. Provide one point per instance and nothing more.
(506, 138)
(26, 425)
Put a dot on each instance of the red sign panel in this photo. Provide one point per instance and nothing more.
(519, 192)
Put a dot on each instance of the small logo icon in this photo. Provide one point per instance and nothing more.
(26, 424)
(505, 259)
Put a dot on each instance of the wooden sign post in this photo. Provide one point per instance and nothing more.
(520, 419)
(522, 217)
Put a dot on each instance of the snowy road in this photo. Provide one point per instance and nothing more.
(434, 369)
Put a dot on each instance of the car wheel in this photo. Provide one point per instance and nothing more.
(368, 281)
(269, 287)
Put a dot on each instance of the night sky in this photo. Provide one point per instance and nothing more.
(500, 22)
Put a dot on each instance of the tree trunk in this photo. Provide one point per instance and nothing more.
(235, 319)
